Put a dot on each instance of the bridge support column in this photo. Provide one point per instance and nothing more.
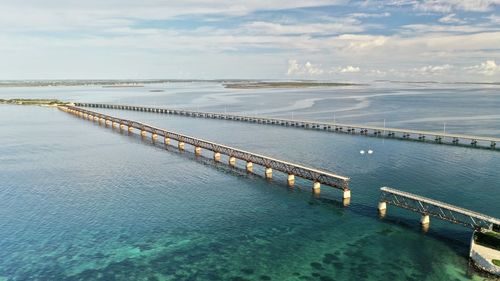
(217, 156)
(249, 167)
(122, 127)
(166, 141)
(130, 129)
(291, 180)
(316, 187)
(143, 133)
(346, 194)
(382, 208)
(154, 136)
(180, 145)
(197, 151)
(424, 222)
(493, 144)
(232, 161)
(269, 173)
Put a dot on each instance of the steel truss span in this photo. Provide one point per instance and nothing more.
(441, 210)
(315, 175)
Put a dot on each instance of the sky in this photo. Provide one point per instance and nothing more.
(333, 40)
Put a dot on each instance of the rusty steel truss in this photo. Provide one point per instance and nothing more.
(315, 175)
(441, 210)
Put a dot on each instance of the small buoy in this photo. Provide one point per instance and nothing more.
(362, 151)
(370, 151)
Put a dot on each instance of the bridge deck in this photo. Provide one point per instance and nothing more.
(336, 127)
(437, 209)
(315, 175)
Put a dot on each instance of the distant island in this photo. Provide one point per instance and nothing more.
(227, 83)
(43, 102)
(291, 84)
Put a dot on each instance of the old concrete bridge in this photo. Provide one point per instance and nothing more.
(292, 170)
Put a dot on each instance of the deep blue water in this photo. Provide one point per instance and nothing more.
(85, 202)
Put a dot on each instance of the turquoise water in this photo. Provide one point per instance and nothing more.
(85, 202)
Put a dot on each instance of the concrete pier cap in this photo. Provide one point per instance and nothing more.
(181, 145)
(346, 194)
(197, 151)
(425, 220)
(166, 140)
(217, 156)
(269, 173)
(291, 180)
(316, 187)
(249, 167)
(232, 161)
(154, 136)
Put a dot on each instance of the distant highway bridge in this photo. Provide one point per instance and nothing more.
(404, 134)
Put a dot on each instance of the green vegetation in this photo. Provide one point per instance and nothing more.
(489, 239)
(52, 102)
(496, 262)
(293, 84)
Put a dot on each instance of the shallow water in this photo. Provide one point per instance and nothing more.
(85, 202)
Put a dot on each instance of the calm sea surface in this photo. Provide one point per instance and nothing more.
(83, 202)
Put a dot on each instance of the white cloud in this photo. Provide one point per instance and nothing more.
(370, 15)
(447, 6)
(295, 68)
(451, 18)
(73, 14)
(349, 69)
(432, 69)
(494, 19)
(488, 68)
(270, 28)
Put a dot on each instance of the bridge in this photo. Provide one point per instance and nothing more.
(403, 134)
(317, 176)
(429, 207)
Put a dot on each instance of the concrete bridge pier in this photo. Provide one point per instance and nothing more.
(143, 133)
(382, 209)
(316, 189)
(291, 180)
(122, 127)
(181, 145)
(346, 194)
(197, 151)
(217, 156)
(130, 129)
(232, 161)
(425, 222)
(269, 173)
(493, 144)
(154, 136)
(166, 141)
(249, 167)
